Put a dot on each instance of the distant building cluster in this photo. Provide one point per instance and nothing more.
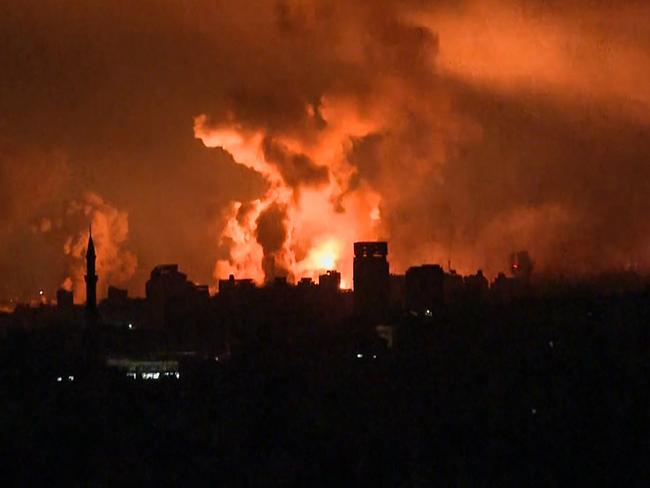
(177, 316)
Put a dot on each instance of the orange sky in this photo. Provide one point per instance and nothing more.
(264, 137)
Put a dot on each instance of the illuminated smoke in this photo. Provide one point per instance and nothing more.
(242, 254)
(458, 131)
(110, 228)
(324, 192)
(310, 215)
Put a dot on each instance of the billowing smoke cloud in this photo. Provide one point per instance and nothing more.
(307, 206)
(239, 252)
(110, 228)
(271, 233)
(295, 168)
(457, 130)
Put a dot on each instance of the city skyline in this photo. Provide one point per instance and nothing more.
(324, 242)
(43, 296)
(253, 140)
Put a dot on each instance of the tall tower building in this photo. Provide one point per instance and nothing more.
(371, 280)
(91, 277)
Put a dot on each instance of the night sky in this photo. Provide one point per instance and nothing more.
(262, 138)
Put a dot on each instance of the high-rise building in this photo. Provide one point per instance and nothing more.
(91, 277)
(371, 280)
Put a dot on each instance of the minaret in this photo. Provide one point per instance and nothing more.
(91, 277)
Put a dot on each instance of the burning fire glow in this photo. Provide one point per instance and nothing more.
(310, 215)
(325, 256)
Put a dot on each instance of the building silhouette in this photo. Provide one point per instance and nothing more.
(397, 293)
(117, 309)
(476, 287)
(176, 306)
(330, 282)
(64, 300)
(231, 284)
(91, 277)
(502, 289)
(425, 288)
(371, 281)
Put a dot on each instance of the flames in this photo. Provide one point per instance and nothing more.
(323, 256)
(312, 212)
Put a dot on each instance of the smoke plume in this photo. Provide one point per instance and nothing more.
(263, 138)
(110, 228)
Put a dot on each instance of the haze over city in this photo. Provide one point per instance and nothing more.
(263, 138)
(324, 243)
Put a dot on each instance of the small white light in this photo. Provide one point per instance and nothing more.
(130, 326)
(178, 375)
(551, 344)
(41, 292)
(533, 411)
(428, 313)
(359, 355)
(216, 358)
(59, 379)
(374, 356)
(70, 378)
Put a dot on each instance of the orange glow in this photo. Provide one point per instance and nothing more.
(456, 131)
(323, 220)
(110, 226)
(325, 256)
(326, 260)
(491, 43)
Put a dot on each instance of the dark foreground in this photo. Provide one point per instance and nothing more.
(536, 394)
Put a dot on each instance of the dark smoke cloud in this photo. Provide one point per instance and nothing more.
(271, 234)
(530, 133)
(295, 168)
